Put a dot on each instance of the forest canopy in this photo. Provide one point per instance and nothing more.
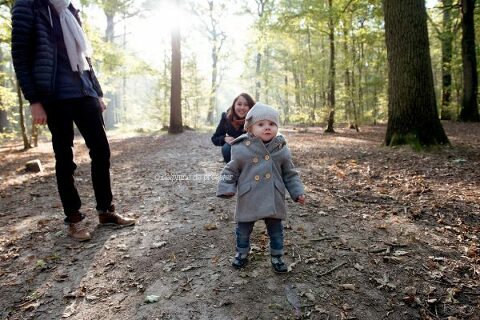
(318, 62)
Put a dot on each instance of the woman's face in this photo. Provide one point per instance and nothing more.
(241, 107)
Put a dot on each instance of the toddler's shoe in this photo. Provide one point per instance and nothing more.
(240, 260)
(278, 264)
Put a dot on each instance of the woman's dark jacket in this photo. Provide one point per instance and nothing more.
(34, 49)
(225, 127)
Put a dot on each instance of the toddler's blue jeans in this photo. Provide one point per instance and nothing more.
(275, 232)
(226, 152)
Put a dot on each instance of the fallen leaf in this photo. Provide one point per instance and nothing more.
(310, 296)
(210, 226)
(159, 244)
(69, 310)
(399, 253)
(187, 268)
(347, 286)
(291, 266)
(359, 267)
(223, 303)
(347, 307)
(152, 298)
(91, 298)
(40, 264)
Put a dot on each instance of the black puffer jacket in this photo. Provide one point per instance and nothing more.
(225, 128)
(34, 49)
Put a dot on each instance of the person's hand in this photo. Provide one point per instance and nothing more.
(103, 106)
(229, 139)
(301, 199)
(39, 115)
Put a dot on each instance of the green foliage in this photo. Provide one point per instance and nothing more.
(293, 40)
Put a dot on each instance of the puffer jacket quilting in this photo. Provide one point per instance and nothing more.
(34, 49)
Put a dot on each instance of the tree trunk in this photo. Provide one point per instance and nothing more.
(286, 118)
(331, 78)
(176, 85)
(26, 144)
(213, 88)
(111, 114)
(447, 44)
(469, 110)
(257, 76)
(3, 119)
(296, 81)
(3, 112)
(361, 104)
(260, 12)
(412, 111)
(167, 65)
(110, 29)
(349, 85)
(34, 138)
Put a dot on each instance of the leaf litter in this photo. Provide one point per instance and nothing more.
(385, 232)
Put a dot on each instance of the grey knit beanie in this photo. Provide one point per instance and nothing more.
(259, 112)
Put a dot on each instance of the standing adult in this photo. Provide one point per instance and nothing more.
(231, 124)
(51, 59)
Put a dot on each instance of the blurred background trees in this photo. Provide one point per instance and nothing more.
(319, 62)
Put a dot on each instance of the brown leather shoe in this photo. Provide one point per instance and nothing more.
(78, 232)
(111, 217)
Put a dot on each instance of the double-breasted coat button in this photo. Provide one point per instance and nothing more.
(257, 177)
(268, 175)
(247, 143)
(267, 157)
(255, 160)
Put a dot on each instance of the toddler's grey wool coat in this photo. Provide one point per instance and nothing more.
(259, 174)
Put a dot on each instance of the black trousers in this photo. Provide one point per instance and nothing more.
(87, 115)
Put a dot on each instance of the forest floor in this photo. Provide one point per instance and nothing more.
(386, 233)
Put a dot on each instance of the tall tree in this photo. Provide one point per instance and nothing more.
(412, 110)
(176, 125)
(332, 73)
(469, 111)
(5, 32)
(26, 143)
(446, 38)
(211, 15)
(3, 111)
(261, 6)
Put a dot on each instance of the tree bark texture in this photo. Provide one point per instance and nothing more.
(3, 112)
(469, 111)
(331, 78)
(176, 125)
(258, 84)
(23, 129)
(447, 48)
(412, 111)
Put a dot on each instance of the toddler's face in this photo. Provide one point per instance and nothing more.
(264, 129)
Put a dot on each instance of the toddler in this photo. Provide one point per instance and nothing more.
(260, 172)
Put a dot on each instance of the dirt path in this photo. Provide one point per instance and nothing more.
(386, 234)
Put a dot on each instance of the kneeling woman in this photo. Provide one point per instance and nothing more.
(231, 124)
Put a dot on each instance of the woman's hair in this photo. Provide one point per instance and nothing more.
(231, 111)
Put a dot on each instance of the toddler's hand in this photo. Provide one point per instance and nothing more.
(301, 199)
